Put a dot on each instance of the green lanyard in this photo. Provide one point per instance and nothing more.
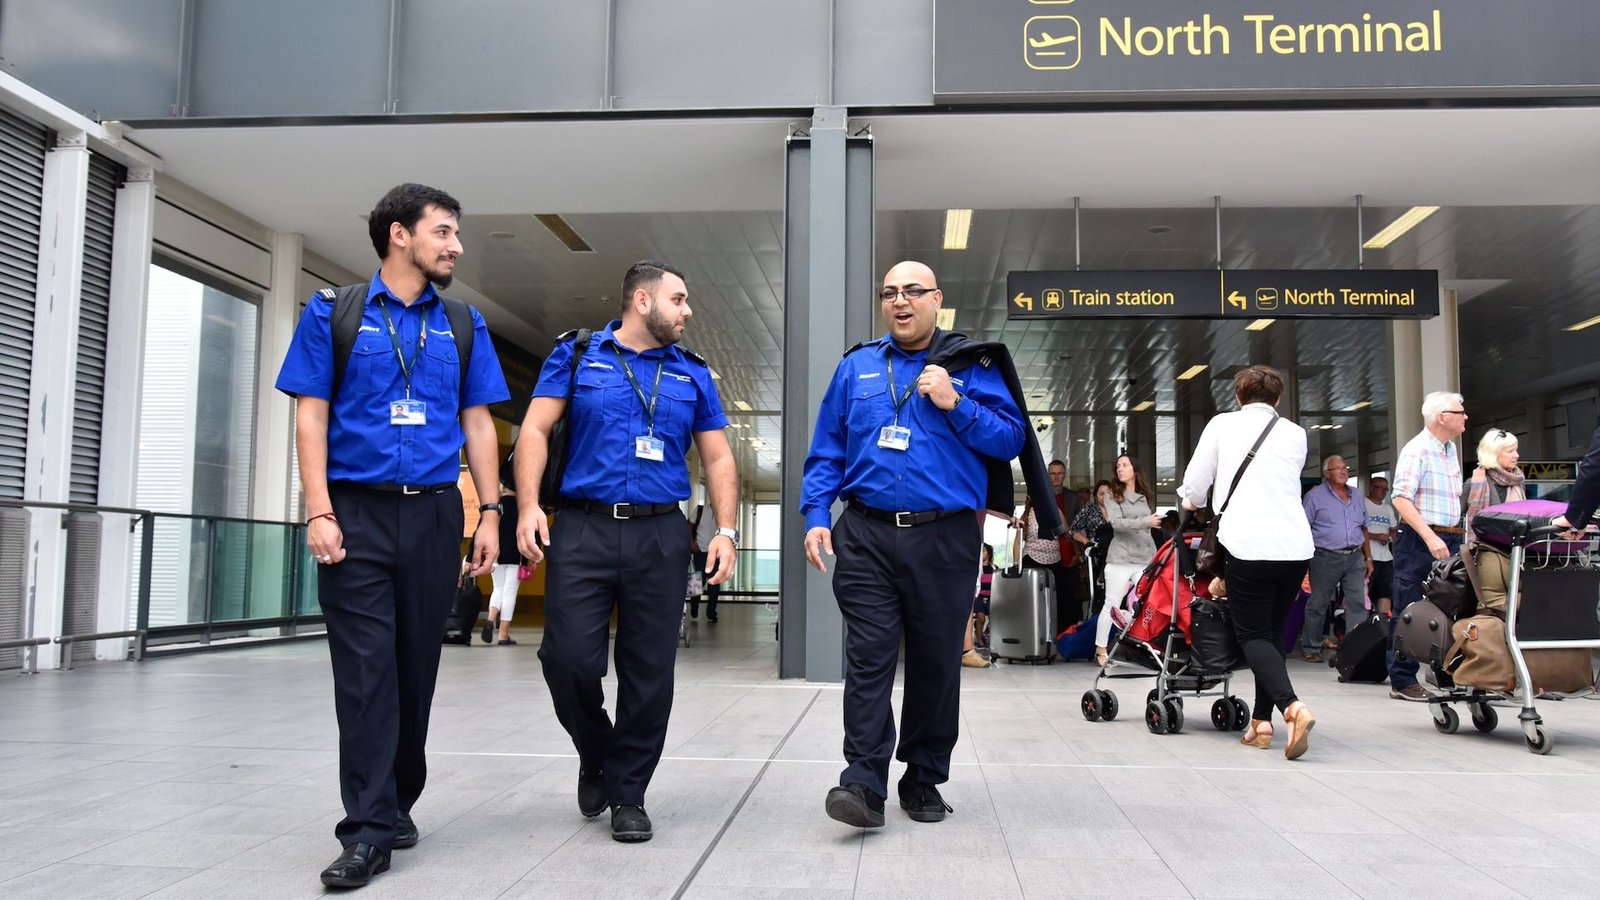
(655, 391)
(406, 368)
(898, 400)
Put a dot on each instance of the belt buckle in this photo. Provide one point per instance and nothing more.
(902, 519)
(409, 489)
(616, 511)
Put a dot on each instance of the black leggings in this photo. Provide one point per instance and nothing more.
(1260, 593)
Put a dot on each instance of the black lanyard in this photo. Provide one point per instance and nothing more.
(897, 399)
(655, 391)
(406, 368)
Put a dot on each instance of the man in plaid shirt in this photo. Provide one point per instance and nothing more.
(1427, 500)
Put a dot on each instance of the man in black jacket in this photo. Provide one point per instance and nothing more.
(1586, 492)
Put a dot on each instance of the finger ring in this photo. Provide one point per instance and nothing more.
(327, 559)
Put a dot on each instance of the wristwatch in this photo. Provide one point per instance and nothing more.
(731, 534)
(492, 507)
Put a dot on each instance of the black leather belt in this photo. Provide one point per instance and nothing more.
(1344, 552)
(618, 510)
(902, 519)
(396, 488)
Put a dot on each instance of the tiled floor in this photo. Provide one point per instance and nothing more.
(213, 776)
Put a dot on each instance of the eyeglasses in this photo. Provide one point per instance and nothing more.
(1453, 412)
(888, 294)
(1338, 468)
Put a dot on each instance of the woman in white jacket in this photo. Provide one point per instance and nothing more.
(1128, 513)
(1265, 534)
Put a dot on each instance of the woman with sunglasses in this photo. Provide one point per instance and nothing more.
(1497, 479)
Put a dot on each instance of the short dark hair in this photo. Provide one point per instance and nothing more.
(1056, 462)
(646, 273)
(1258, 384)
(406, 204)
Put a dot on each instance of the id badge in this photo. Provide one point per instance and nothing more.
(894, 437)
(648, 447)
(407, 412)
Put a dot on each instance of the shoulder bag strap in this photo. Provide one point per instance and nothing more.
(1248, 458)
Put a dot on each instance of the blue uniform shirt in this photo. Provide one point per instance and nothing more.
(941, 469)
(606, 416)
(362, 444)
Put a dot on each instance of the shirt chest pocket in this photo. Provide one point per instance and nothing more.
(440, 371)
(675, 409)
(596, 394)
(870, 408)
(371, 366)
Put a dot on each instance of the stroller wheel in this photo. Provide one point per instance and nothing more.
(1241, 713)
(1445, 719)
(1152, 696)
(1108, 705)
(1091, 705)
(1222, 714)
(1155, 717)
(1174, 715)
(1484, 718)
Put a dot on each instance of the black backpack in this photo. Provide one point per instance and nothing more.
(345, 322)
(555, 464)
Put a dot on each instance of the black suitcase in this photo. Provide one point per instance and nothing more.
(1423, 633)
(1361, 656)
(463, 617)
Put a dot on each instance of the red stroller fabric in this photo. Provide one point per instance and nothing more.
(1164, 594)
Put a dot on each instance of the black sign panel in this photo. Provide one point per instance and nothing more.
(1169, 49)
(1214, 294)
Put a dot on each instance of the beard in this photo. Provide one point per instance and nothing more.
(661, 329)
(439, 277)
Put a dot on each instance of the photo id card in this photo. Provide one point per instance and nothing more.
(649, 447)
(894, 437)
(407, 412)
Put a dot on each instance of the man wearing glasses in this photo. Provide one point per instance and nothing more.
(1427, 498)
(1339, 528)
(903, 442)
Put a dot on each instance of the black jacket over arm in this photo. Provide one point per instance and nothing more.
(1586, 493)
(955, 352)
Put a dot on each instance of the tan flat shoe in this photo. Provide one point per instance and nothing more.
(1258, 735)
(1298, 729)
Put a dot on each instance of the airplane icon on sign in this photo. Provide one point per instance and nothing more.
(1046, 40)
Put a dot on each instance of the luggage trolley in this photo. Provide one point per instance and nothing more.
(1565, 578)
(1167, 656)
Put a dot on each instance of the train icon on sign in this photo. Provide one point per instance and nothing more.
(1052, 43)
(1266, 299)
(1053, 299)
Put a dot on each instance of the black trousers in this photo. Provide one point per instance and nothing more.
(917, 581)
(640, 569)
(385, 606)
(1260, 593)
(712, 591)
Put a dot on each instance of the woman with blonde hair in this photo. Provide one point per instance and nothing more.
(1497, 479)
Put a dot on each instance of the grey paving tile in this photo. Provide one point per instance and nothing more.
(168, 849)
(1076, 843)
(1335, 851)
(824, 836)
(1319, 820)
(921, 875)
(213, 884)
(11, 868)
(91, 882)
(287, 853)
(240, 819)
(1043, 879)
(525, 830)
(44, 844)
(776, 868)
(1380, 880)
(1555, 884)
(709, 892)
(617, 863)
(538, 889)
(496, 862)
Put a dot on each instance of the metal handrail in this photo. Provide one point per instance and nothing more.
(67, 640)
(30, 653)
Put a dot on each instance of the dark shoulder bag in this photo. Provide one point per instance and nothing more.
(555, 463)
(1210, 559)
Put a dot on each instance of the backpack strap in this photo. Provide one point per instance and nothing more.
(345, 322)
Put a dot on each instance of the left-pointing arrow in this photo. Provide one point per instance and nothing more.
(1024, 301)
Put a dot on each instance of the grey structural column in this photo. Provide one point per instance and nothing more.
(828, 307)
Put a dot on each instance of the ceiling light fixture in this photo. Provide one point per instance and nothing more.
(564, 232)
(742, 406)
(946, 319)
(1192, 371)
(1586, 323)
(1407, 221)
(1144, 406)
(1355, 406)
(957, 222)
(1260, 325)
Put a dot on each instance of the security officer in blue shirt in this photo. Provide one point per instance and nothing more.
(619, 541)
(380, 454)
(903, 444)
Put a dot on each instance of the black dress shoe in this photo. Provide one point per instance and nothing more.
(855, 804)
(591, 794)
(630, 824)
(405, 832)
(355, 866)
(922, 801)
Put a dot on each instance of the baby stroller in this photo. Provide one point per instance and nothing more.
(1157, 617)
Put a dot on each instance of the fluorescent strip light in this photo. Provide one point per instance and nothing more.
(1144, 406)
(1579, 326)
(1407, 221)
(1260, 325)
(957, 222)
(1355, 406)
(1191, 372)
(715, 375)
(946, 318)
(741, 405)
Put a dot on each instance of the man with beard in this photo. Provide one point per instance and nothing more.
(618, 541)
(386, 396)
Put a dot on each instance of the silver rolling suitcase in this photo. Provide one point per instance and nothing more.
(1022, 606)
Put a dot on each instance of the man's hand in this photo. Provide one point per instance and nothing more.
(1437, 546)
(819, 540)
(486, 544)
(1369, 567)
(533, 533)
(721, 558)
(325, 540)
(934, 383)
